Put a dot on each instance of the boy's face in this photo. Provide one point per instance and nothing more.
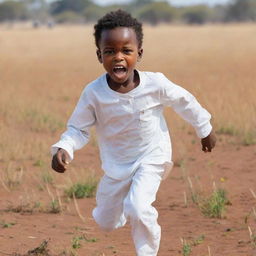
(119, 52)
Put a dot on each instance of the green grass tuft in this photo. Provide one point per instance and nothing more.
(215, 205)
(47, 177)
(227, 130)
(249, 138)
(186, 249)
(82, 190)
(5, 224)
(55, 206)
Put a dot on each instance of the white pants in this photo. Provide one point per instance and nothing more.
(132, 198)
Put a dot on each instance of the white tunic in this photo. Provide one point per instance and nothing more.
(130, 127)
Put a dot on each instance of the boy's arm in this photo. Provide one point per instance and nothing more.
(186, 105)
(76, 135)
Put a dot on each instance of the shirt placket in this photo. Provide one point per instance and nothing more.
(131, 103)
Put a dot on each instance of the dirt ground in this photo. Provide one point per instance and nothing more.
(42, 73)
(230, 166)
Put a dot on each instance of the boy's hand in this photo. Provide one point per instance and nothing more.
(60, 161)
(208, 143)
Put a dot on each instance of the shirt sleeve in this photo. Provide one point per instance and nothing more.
(78, 127)
(186, 105)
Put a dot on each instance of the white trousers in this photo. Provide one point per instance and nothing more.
(131, 199)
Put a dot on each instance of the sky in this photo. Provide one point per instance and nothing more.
(174, 2)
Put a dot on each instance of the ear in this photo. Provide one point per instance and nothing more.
(140, 53)
(99, 55)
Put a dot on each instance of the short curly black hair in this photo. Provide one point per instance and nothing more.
(116, 19)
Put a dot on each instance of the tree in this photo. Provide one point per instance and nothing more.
(219, 13)
(69, 17)
(77, 6)
(39, 10)
(241, 10)
(93, 12)
(12, 10)
(156, 12)
(197, 14)
(137, 3)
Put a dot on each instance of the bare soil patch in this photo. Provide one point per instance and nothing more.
(231, 167)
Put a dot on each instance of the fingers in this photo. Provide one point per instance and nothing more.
(206, 149)
(208, 143)
(60, 161)
(65, 158)
(61, 157)
(209, 149)
(56, 166)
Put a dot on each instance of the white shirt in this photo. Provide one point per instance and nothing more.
(130, 127)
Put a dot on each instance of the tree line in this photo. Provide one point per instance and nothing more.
(148, 11)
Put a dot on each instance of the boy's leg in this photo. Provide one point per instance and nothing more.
(110, 196)
(143, 216)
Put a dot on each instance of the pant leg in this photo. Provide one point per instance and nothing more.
(143, 216)
(109, 212)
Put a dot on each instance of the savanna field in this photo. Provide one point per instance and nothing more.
(207, 205)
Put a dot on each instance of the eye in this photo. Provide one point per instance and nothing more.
(127, 51)
(108, 52)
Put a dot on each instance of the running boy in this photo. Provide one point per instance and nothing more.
(126, 107)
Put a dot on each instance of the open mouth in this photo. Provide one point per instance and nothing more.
(119, 70)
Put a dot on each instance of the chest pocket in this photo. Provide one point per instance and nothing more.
(145, 117)
(146, 108)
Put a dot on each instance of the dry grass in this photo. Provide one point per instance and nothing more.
(216, 64)
(43, 73)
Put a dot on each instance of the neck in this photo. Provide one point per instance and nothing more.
(127, 86)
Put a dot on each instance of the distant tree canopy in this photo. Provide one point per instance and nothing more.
(12, 10)
(242, 10)
(148, 11)
(156, 12)
(198, 14)
(69, 5)
(139, 3)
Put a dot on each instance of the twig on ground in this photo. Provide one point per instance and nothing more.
(253, 194)
(77, 209)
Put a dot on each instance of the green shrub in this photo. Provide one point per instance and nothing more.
(82, 190)
(214, 205)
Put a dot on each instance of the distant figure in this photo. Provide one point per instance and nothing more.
(50, 24)
(36, 24)
(126, 107)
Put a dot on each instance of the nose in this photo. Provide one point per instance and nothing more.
(119, 57)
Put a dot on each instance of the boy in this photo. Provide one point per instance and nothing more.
(126, 107)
